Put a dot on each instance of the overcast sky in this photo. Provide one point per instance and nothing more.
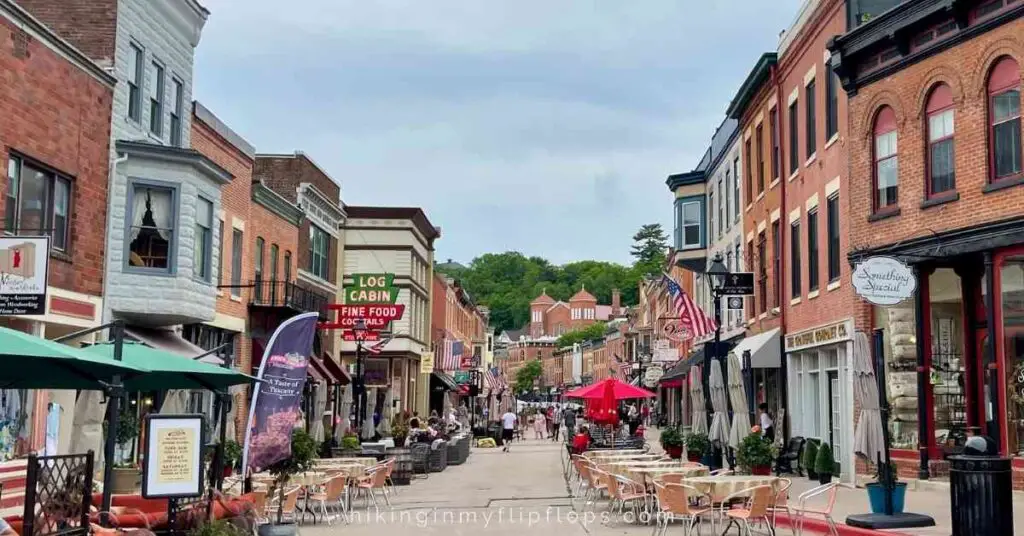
(544, 126)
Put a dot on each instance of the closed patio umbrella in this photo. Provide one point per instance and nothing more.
(700, 414)
(719, 404)
(344, 413)
(87, 425)
(368, 408)
(740, 418)
(868, 439)
(319, 406)
(384, 428)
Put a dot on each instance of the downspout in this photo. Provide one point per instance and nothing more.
(106, 313)
(783, 368)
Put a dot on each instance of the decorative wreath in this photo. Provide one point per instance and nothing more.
(1017, 390)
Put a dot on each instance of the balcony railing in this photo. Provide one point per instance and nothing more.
(286, 294)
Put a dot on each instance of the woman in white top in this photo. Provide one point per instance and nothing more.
(767, 422)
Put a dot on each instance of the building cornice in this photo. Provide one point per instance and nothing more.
(176, 155)
(276, 203)
(689, 178)
(757, 77)
(187, 17)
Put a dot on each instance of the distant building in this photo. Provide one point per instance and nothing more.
(553, 318)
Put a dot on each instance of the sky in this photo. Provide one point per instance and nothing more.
(546, 127)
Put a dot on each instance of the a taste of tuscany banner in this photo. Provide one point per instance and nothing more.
(277, 397)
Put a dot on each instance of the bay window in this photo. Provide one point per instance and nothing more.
(152, 225)
(203, 246)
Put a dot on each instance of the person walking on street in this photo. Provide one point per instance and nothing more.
(645, 414)
(539, 425)
(508, 429)
(569, 420)
(556, 423)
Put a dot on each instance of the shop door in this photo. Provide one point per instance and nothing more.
(990, 385)
(835, 408)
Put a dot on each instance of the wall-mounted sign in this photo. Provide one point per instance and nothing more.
(664, 353)
(738, 284)
(371, 288)
(426, 362)
(652, 375)
(884, 280)
(674, 330)
(174, 456)
(374, 316)
(349, 335)
(23, 265)
(734, 303)
(827, 334)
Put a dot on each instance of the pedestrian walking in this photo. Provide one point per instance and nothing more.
(539, 425)
(508, 429)
(767, 422)
(645, 414)
(556, 423)
(569, 420)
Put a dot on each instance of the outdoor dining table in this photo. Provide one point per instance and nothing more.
(328, 462)
(307, 480)
(720, 487)
(623, 457)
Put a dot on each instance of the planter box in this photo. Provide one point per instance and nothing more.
(126, 481)
(761, 470)
(674, 451)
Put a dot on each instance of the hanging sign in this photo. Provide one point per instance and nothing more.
(674, 330)
(426, 362)
(738, 284)
(23, 265)
(652, 375)
(884, 280)
(349, 335)
(371, 288)
(173, 465)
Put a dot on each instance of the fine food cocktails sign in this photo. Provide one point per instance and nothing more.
(884, 280)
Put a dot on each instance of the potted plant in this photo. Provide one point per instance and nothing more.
(697, 445)
(218, 527)
(127, 474)
(810, 458)
(876, 492)
(824, 464)
(755, 454)
(672, 442)
(232, 456)
(399, 432)
(304, 453)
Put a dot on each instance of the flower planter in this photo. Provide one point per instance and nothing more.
(876, 496)
(693, 457)
(227, 470)
(761, 470)
(674, 451)
(127, 480)
(824, 478)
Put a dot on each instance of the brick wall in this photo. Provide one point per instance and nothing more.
(59, 115)
(90, 26)
(558, 320)
(284, 173)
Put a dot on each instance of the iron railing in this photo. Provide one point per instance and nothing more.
(58, 493)
(287, 294)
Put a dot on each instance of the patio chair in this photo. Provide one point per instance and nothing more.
(598, 483)
(586, 479)
(389, 467)
(793, 453)
(330, 494)
(802, 510)
(781, 503)
(259, 508)
(755, 507)
(622, 490)
(682, 502)
(375, 479)
(289, 505)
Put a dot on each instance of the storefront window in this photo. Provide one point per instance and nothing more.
(948, 371)
(1012, 290)
(900, 345)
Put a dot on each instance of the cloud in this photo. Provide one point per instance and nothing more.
(546, 127)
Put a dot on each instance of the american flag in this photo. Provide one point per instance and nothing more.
(451, 354)
(692, 317)
(494, 379)
(622, 369)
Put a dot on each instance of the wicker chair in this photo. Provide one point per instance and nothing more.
(420, 453)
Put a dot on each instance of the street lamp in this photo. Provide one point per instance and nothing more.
(716, 272)
(359, 383)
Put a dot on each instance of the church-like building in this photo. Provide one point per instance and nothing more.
(553, 318)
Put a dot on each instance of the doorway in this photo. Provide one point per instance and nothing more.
(835, 408)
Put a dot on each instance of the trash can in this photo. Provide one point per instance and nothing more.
(980, 493)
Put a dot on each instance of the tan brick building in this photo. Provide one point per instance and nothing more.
(935, 166)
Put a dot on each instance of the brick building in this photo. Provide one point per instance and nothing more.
(456, 317)
(57, 159)
(549, 317)
(524, 350)
(935, 148)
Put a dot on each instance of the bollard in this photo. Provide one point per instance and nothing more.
(981, 495)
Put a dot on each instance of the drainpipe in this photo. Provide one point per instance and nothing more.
(106, 314)
(783, 215)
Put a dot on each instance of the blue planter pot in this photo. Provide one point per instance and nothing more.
(709, 460)
(876, 495)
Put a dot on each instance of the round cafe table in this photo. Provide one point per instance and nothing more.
(720, 487)
(646, 474)
(620, 467)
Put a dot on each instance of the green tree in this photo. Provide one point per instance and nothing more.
(650, 245)
(527, 374)
(590, 333)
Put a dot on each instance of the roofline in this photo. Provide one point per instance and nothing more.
(276, 203)
(415, 214)
(211, 120)
(25, 21)
(689, 178)
(301, 154)
(177, 155)
(753, 81)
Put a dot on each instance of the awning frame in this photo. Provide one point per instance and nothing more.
(765, 352)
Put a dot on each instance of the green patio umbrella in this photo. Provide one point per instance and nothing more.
(30, 362)
(163, 370)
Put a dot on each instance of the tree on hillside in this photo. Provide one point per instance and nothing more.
(650, 244)
(527, 374)
(589, 333)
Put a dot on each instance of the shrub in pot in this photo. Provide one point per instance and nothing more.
(824, 464)
(810, 458)
(697, 445)
(672, 442)
(304, 454)
(127, 476)
(232, 456)
(755, 454)
(399, 432)
(876, 492)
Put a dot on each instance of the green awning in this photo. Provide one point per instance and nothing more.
(165, 370)
(31, 362)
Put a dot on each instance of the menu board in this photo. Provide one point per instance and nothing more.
(173, 465)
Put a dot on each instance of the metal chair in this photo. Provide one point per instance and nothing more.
(793, 453)
(755, 507)
(674, 501)
(802, 510)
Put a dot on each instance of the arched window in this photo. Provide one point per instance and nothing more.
(941, 164)
(886, 163)
(1004, 118)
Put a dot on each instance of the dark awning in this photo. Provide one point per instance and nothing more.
(676, 372)
(336, 372)
(444, 379)
(316, 370)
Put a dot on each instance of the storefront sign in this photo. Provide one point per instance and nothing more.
(426, 362)
(738, 284)
(664, 353)
(674, 330)
(652, 375)
(371, 288)
(462, 377)
(375, 312)
(173, 465)
(884, 280)
(829, 334)
(23, 265)
(349, 335)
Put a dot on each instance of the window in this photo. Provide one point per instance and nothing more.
(941, 166)
(711, 212)
(750, 268)
(729, 204)
(812, 249)
(794, 261)
(809, 113)
(152, 228)
(833, 238)
(156, 100)
(236, 262)
(37, 203)
(886, 164)
(203, 245)
(1004, 112)
(135, 62)
(776, 263)
(759, 139)
(831, 102)
(220, 248)
(762, 267)
(179, 104)
(273, 262)
(736, 187)
(690, 234)
(318, 252)
(259, 262)
(749, 173)
(794, 151)
(721, 217)
(288, 266)
(773, 133)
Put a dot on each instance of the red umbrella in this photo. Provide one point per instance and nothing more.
(619, 389)
(604, 410)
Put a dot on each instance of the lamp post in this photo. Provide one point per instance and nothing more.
(717, 271)
(359, 383)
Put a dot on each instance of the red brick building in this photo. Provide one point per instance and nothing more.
(553, 318)
(935, 164)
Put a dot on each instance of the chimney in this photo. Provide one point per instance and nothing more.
(616, 302)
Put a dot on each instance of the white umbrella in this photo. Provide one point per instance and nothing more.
(344, 413)
(384, 428)
(868, 439)
(176, 401)
(371, 403)
(700, 415)
(87, 425)
(738, 395)
(719, 404)
(319, 406)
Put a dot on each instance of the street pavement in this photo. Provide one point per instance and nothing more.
(523, 491)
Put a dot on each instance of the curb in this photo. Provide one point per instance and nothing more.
(819, 526)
